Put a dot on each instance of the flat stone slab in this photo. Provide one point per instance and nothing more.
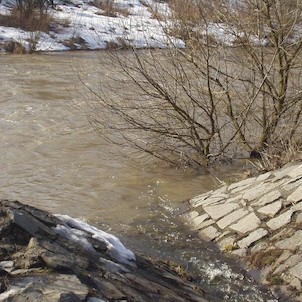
(190, 215)
(258, 191)
(252, 237)
(231, 218)
(299, 218)
(197, 221)
(264, 176)
(218, 211)
(246, 224)
(213, 200)
(271, 209)
(209, 233)
(293, 260)
(292, 184)
(200, 199)
(295, 172)
(291, 243)
(240, 189)
(280, 221)
(269, 198)
(242, 183)
(296, 196)
(206, 224)
(297, 270)
(283, 172)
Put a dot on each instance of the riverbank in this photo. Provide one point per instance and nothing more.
(87, 25)
(258, 219)
(96, 24)
(53, 258)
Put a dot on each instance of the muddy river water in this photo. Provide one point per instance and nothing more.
(52, 159)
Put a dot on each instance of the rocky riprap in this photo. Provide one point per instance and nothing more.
(38, 263)
(260, 220)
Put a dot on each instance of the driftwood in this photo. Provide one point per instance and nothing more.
(38, 263)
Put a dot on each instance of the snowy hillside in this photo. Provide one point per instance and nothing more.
(81, 24)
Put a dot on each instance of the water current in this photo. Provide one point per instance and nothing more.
(52, 159)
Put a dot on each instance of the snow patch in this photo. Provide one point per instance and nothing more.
(80, 232)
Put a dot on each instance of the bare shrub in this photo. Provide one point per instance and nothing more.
(214, 98)
(33, 41)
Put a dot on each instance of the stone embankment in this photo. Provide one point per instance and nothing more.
(260, 220)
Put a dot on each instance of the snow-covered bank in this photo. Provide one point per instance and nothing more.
(82, 25)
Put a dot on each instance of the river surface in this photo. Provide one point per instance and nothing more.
(52, 159)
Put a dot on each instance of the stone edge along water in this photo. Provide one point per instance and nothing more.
(260, 220)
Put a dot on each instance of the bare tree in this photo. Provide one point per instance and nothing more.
(236, 86)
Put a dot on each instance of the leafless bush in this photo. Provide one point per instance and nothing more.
(212, 99)
(33, 40)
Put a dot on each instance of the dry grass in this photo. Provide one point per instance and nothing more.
(119, 44)
(109, 9)
(37, 21)
(75, 42)
(279, 154)
(263, 259)
(64, 22)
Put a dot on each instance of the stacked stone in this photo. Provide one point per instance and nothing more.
(258, 218)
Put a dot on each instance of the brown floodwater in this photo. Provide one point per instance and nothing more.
(52, 159)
